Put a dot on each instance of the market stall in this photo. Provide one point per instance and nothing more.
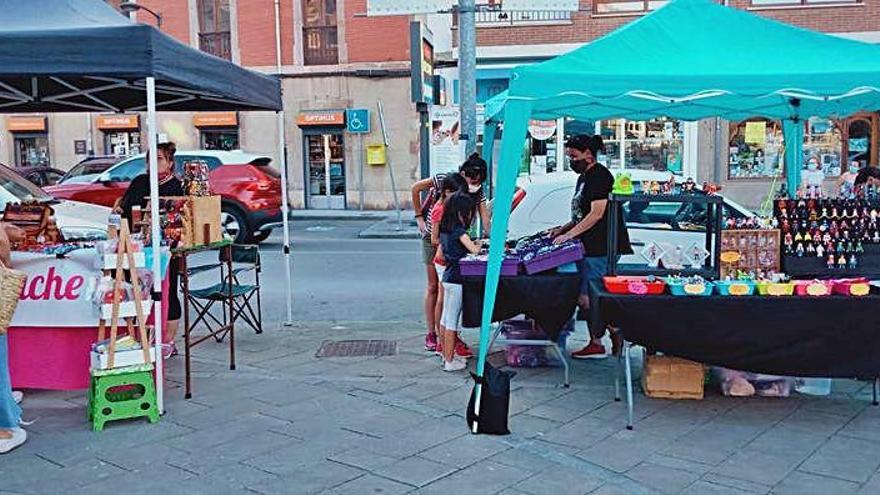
(82, 55)
(704, 67)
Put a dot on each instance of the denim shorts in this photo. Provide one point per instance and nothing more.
(592, 268)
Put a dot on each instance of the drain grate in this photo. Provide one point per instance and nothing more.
(357, 348)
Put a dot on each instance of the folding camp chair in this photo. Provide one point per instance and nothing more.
(245, 296)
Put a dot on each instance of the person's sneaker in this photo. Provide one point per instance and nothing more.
(19, 436)
(455, 365)
(18, 396)
(439, 350)
(462, 350)
(431, 342)
(169, 350)
(592, 351)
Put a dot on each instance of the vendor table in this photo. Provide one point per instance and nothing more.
(182, 257)
(55, 324)
(829, 337)
(548, 298)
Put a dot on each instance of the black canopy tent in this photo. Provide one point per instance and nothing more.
(83, 56)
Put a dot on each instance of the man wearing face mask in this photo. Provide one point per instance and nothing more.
(813, 175)
(589, 224)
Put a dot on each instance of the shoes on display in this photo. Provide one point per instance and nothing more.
(455, 365)
(431, 342)
(592, 351)
(461, 349)
(18, 396)
(19, 436)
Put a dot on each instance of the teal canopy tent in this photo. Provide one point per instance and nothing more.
(689, 60)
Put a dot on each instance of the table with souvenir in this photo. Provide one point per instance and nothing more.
(65, 291)
(777, 304)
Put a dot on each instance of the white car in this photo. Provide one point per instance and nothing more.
(77, 221)
(544, 201)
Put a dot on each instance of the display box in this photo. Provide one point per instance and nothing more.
(668, 377)
(634, 285)
(477, 265)
(129, 357)
(570, 252)
(127, 309)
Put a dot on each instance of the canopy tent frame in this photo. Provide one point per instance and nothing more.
(689, 81)
(83, 56)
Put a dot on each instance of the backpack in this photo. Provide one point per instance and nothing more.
(432, 197)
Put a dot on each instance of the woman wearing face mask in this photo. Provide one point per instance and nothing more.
(812, 177)
(847, 180)
(474, 170)
(589, 224)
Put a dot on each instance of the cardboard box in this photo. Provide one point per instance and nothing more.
(667, 377)
(132, 357)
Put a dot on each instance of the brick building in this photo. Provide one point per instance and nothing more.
(333, 58)
(709, 150)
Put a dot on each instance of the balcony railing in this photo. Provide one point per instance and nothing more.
(491, 18)
(218, 44)
(320, 45)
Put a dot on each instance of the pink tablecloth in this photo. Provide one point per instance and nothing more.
(56, 358)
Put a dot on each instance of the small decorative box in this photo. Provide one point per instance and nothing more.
(634, 285)
(550, 257)
(476, 265)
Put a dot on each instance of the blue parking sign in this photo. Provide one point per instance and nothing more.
(357, 120)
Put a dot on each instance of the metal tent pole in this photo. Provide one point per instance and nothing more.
(155, 237)
(467, 67)
(285, 213)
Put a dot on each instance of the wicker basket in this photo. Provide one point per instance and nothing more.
(11, 282)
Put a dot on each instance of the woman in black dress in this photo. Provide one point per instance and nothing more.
(138, 194)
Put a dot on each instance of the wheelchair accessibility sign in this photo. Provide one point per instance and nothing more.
(357, 120)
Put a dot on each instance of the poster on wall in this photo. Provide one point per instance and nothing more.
(446, 150)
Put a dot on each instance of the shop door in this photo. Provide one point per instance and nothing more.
(325, 155)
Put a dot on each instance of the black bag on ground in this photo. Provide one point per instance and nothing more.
(494, 402)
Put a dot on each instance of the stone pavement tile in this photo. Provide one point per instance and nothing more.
(370, 484)
(362, 459)
(420, 391)
(698, 452)
(529, 426)
(872, 487)
(582, 432)
(583, 401)
(230, 432)
(845, 458)
(673, 422)
(758, 467)
(706, 488)
(239, 476)
(555, 413)
(387, 421)
(286, 460)
(847, 407)
(68, 479)
(559, 482)
(482, 477)
(662, 478)
(624, 450)
(285, 392)
(786, 442)
(454, 400)
(712, 443)
(816, 423)
(799, 483)
(538, 394)
(19, 466)
(615, 411)
(737, 483)
(526, 460)
(236, 450)
(153, 484)
(316, 478)
(865, 426)
(418, 438)
(660, 459)
(415, 471)
(465, 450)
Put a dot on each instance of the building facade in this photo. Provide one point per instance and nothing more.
(332, 59)
(745, 157)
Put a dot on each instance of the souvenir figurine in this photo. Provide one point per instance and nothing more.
(824, 214)
(810, 248)
(831, 262)
(774, 223)
(808, 237)
(783, 191)
(689, 185)
(829, 248)
(800, 250)
(873, 214)
(844, 225)
(820, 251)
(852, 262)
(670, 185)
(800, 193)
(646, 187)
(798, 237)
(826, 238)
(876, 237)
(859, 248)
(850, 248)
(840, 247)
(731, 223)
(786, 227)
(834, 215)
(841, 262)
(655, 187)
(823, 227)
(788, 240)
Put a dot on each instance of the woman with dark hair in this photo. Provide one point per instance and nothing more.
(589, 224)
(458, 214)
(867, 176)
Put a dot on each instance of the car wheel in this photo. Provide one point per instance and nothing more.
(260, 236)
(233, 224)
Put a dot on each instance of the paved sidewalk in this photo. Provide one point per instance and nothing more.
(287, 422)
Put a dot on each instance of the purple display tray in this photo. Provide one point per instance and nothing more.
(477, 267)
(570, 253)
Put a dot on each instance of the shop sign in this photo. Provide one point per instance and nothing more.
(55, 293)
(446, 148)
(113, 122)
(542, 130)
(421, 63)
(26, 124)
(756, 133)
(215, 119)
(321, 117)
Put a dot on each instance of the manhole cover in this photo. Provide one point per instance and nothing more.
(355, 348)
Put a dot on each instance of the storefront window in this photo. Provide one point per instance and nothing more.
(756, 149)
(823, 139)
(31, 150)
(859, 141)
(122, 143)
(656, 144)
(221, 139)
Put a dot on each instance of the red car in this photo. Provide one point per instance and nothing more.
(249, 186)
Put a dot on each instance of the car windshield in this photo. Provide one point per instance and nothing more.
(15, 189)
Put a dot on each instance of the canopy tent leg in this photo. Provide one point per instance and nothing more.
(793, 137)
(155, 237)
(285, 214)
(516, 118)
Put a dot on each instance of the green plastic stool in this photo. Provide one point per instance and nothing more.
(122, 393)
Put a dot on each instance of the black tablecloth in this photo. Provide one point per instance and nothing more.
(835, 336)
(549, 298)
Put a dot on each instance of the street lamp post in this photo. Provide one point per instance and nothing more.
(129, 6)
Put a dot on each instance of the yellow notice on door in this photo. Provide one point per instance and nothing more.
(756, 133)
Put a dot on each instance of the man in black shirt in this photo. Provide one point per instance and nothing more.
(589, 223)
